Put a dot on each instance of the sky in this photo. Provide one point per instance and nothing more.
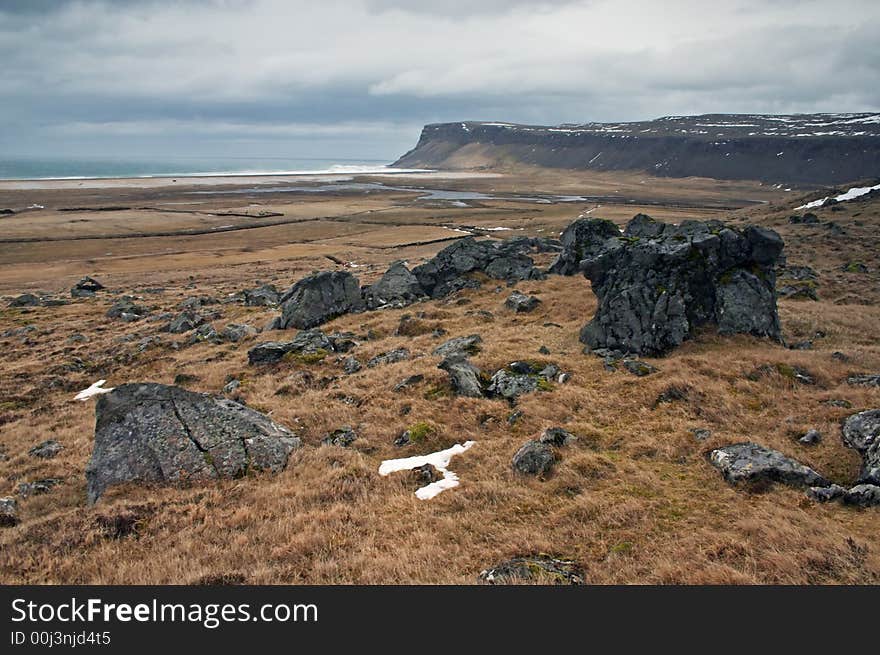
(358, 78)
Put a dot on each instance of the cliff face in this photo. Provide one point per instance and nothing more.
(804, 149)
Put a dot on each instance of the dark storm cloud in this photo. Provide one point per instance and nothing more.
(275, 74)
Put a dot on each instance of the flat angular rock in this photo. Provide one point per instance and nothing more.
(159, 434)
(864, 380)
(185, 321)
(342, 437)
(751, 463)
(826, 494)
(319, 298)
(25, 300)
(469, 345)
(236, 332)
(306, 342)
(464, 376)
(864, 495)
(582, 239)
(534, 458)
(46, 450)
(263, 296)
(862, 433)
(556, 437)
(391, 357)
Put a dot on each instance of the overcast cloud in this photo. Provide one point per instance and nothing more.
(359, 78)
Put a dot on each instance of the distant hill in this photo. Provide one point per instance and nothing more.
(807, 149)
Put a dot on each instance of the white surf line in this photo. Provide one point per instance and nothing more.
(439, 460)
(93, 390)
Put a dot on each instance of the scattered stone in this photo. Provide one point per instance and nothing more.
(855, 267)
(801, 345)
(556, 437)
(465, 346)
(535, 569)
(544, 350)
(319, 298)
(861, 432)
(154, 433)
(263, 296)
(519, 378)
(408, 382)
(582, 239)
(390, 357)
(653, 292)
(351, 365)
(464, 376)
(805, 291)
(77, 338)
(798, 273)
(520, 302)
(826, 494)
(811, 438)
(534, 458)
(37, 487)
(514, 417)
(25, 300)
(86, 288)
(425, 475)
(232, 386)
(8, 512)
(184, 322)
(837, 402)
(638, 367)
(701, 434)
(808, 218)
(864, 380)
(396, 288)
(839, 356)
(863, 495)
(343, 437)
(307, 343)
(793, 373)
(194, 303)
(753, 464)
(236, 332)
(46, 450)
(204, 333)
(672, 393)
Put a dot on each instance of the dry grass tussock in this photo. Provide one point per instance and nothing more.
(633, 500)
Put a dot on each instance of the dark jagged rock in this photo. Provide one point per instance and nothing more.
(319, 298)
(306, 342)
(351, 365)
(520, 302)
(469, 345)
(582, 239)
(343, 437)
(556, 437)
(409, 382)
(753, 464)
(809, 218)
(798, 273)
(126, 306)
(811, 438)
(391, 357)
(424, 475)
(464, 376)
(396, 288)
(827, 494)
(185, 321)
(450, 269)
(804, 291)
(534, 458)
(46, 450)
(263, 296)
(8, 512)
(541, 567)
(86, 288)
(654, 292)
(236, 332)
(642, 225)
(154, 433)
(861, 432)
(638, 368)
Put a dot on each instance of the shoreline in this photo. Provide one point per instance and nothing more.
(219, 179)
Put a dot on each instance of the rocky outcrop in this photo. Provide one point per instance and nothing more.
(396, 288)
(749, 463)
(654, 291)
(319, 298)
(519, 378)
(86, 288)
(308, 344)
(263, 296)
(861, 432)
(584, 238)
(159, 434)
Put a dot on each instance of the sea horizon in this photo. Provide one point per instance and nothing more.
(16, 168)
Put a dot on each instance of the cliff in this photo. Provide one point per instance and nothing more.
(806, 149)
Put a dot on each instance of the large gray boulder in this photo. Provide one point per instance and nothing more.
(862, 433)
(750, 463)
(583, 238)
(654, 291)
(159, 434)
(464, 376)
(396, 288)
(319, 298)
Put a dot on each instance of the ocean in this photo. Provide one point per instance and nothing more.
(30, 168)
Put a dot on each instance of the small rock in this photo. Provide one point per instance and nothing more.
(8, 512)
(864, 495)
(185, 321)
(351, 365)
(534, 458)
(390, 357)
(514, 417)
(263, 296)
(864, 380)
(701, 434)
(544, 350)
(44, 486)
(232, 386)
(236, 332)
(425, 474)
(811, 438)
(408, 382)
(638, 367)
(519, 302)
(801, 345)
(46, 450)
(469, 345)
(464, 376)
(751, 463)
(542, 567)
(556, 437)
(839, 356)
(25, 300)
(204, 333)
(826, 494)
(343, 437)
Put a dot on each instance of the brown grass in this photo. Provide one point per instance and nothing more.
(633, 500)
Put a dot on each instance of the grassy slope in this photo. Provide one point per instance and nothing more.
(633, 500)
